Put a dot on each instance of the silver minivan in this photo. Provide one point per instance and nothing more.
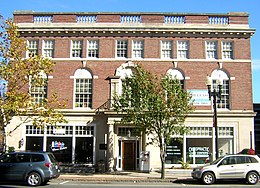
(34, 168)
(239, 166)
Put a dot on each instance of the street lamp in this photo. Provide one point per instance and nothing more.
(214, 92)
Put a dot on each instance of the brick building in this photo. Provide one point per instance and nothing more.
(95, 51)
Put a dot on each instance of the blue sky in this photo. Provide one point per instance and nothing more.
(179, 6)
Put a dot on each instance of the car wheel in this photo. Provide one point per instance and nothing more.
(34, 179)
(252, 178)
(208, 178)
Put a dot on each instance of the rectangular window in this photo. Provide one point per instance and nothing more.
(48, 48)
(38, 92)
(83, 93)
(32, 46)
(93, 48)
(211, 50)
(227, 50)
(121, 48)
(166, 49)
(76, 50)
(138, 49)
(183, 49)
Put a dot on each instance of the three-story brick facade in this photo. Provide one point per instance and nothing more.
(95, 51)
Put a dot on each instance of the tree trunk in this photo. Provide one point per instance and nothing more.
(162, 156)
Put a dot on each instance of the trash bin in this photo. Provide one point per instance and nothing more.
(145, 161)
(101, 166)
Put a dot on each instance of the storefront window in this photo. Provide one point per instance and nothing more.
(198, 150)
(174, 152)
(34, 143)
(84, 150)
(61, 147)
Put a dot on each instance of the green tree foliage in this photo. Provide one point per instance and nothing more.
(156, 105)
(18, 72)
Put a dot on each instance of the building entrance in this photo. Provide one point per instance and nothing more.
(129, 155)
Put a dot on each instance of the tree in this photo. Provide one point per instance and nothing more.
(16, 74)
(156, 105)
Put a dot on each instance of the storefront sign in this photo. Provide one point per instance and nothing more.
(198, 151)
(59, 131)
(57, 146)
(173, 150)
(200, 97)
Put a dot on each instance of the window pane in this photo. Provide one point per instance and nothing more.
(93, 48)
(76, 49)
(83, 93)
(122, 49)
(166, 49)
(211, 50)
(138, 49)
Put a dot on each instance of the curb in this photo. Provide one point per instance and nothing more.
(106, 178)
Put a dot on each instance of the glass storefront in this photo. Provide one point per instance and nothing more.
(174, 151)
(34, 143)
(61, 147)
(60, 142)
(198, 150)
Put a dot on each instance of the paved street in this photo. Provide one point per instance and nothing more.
(177, 183)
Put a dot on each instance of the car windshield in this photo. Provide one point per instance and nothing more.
(216, 161)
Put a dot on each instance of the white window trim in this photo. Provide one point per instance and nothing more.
(180, 49)
(212, 50)
(71, 48)
(96, 49)
(126, 49)
(43, 48)
(231, 51)
(142, 49)
(27, 44)
(167, 49)
(81, 74)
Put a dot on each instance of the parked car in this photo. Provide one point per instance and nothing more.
(34, 168)
(238, 166)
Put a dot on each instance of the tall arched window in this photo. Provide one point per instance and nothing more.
(176, 74)
(82, 89)
(217, 75)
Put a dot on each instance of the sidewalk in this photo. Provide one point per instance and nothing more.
(154, 176)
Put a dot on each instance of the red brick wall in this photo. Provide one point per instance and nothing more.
(106, 65)
(64, 18)
(153, 18)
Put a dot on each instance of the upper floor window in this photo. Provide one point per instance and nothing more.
(217, 75)
(48, 48)
(32, 46)
(211, 50)
(38, 89)
(82, 89)
(121, 48)
(227, 50)
(76, 49)
(93, 48)
(166, 49)
(138, 49)
(183, 49)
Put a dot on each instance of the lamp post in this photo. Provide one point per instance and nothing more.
(214, 93)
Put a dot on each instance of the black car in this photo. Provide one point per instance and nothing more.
(34, 168)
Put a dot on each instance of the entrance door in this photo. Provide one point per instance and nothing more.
(129, 155)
